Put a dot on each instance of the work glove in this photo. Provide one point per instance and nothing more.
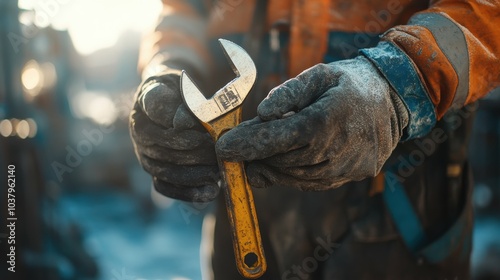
(170, 143)
(332, 124)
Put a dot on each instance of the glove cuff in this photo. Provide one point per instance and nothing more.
(399, 71)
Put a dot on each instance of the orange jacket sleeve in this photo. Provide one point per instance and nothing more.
(445, 57)
(178, 40)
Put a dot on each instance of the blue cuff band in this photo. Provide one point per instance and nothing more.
(397, 68)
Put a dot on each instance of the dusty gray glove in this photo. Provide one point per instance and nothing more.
(347, 122)
(171, 144)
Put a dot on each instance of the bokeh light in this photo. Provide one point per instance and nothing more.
(23, 129)
(33, 128)
(96, 106)
(32, 78)
(6, 128)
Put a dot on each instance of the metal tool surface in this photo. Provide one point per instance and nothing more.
(219, 114)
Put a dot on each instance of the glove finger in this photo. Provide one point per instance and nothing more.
(184, 119)
(321, 171)
(159, 102)
(190, 194)
(297, 93)
(259, 140)
(199, 156)
(304, 156)
(261, 175)
(187, 175)
(147, 133)
(256, 176)
(322, 143)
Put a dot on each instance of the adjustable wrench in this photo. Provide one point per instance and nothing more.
(219, 114)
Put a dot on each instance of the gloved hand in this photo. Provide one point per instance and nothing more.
(170, 142)
(332, 124)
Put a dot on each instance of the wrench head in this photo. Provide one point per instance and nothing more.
(231, 95)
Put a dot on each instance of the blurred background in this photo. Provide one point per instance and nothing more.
(85, 207)
(85, 210)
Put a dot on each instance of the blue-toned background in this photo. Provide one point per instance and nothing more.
(85, 207)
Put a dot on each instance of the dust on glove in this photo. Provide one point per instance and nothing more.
(171, 144)
(332, 124)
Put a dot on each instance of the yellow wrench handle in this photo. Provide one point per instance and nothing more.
(247, 242)
(240, 206)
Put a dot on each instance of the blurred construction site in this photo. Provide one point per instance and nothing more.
(85, 209)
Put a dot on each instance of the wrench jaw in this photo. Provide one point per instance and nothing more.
(242, 65)
(204, 109)
(231, 95)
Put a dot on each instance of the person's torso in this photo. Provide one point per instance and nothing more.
(352, 25)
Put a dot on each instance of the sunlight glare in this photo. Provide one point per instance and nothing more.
(95, 24)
